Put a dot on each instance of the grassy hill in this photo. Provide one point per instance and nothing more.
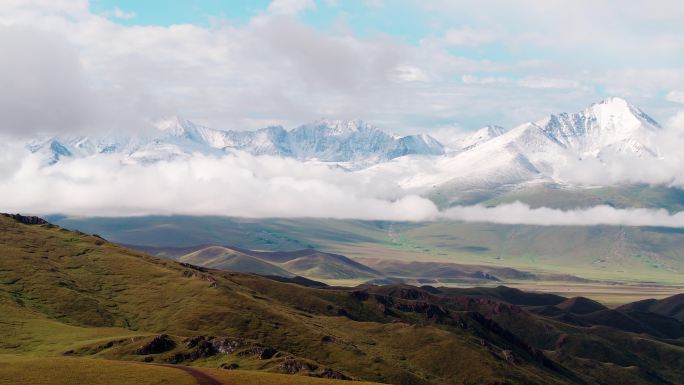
(68, 280)
(223, 258)
(672, 306)
(317, 264)
(67, 297)
(310, 263)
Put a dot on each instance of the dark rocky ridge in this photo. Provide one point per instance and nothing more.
(27, 220)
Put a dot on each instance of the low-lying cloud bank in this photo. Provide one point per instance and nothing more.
(238, 185)
(243, 185)
(520, 213)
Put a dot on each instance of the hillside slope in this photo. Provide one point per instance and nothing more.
(223, 258)
(317, 264)
(671, 306)
(80, 281)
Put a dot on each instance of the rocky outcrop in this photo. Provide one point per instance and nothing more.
(228, 345)
(194, 274)
(159, 344)
(260, 352)
(292, 365)
(27, 220)
(295, 365)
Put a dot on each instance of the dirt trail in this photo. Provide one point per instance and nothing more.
(201, 377)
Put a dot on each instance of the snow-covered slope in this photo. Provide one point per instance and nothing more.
(474, 139)
(324, 140)
(492, 160)
(612, 125)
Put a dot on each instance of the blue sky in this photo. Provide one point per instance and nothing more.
(404, 22)
(405, 65)
(201, 12)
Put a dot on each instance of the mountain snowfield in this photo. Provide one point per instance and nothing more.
(556, 150)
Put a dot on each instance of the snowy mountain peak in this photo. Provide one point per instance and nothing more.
(323, 140)
(490, 131)
(475, 138)
(337, 127)
(614, 101)
(623, 113)
(174, 125)
(610, 126)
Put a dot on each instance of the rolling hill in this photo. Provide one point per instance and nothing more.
(308, 263)
(223, 258)
(606, 253)
(671, 306)
(317, 264)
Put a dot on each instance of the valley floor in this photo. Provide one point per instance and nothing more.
(611, 294)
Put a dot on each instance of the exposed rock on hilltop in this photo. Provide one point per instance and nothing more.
(27, 220)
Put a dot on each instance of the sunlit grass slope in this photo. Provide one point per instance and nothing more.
(62, 290)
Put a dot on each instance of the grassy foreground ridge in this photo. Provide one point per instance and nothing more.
(76, 308)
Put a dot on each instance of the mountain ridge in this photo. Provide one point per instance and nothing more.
(321, 140)
(562, 151)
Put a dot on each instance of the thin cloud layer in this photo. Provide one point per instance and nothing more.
(521, 214)
(243, 185)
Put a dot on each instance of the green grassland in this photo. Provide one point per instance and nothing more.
(62, 291)
(605, 253)
(23, 370)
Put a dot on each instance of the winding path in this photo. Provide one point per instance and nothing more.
(199, 376)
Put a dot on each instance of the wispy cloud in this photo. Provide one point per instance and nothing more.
(467, 36)
(290, 7)
(119, 13)
(519, 213)
(676, 96)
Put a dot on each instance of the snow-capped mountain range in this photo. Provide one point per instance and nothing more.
(550, 151)
(324, 140)
(488, 160)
